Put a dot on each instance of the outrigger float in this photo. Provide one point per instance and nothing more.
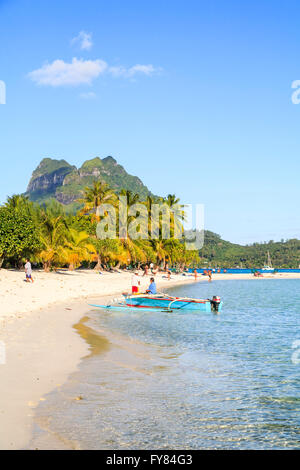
(165, 302)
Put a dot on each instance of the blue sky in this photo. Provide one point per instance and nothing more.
(193, 97)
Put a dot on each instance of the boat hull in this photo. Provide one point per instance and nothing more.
(170, 303)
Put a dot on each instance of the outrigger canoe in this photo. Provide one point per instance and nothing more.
(166, 302)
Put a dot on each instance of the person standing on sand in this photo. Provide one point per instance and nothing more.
(210, 276)
(154, 270)
(195, 274)
(146, 270)
(28, 271)
(135, 283)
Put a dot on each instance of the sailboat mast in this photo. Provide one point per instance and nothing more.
(269, 260)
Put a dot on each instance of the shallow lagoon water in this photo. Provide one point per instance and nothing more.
(186, 380)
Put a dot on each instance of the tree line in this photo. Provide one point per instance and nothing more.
(53, 239)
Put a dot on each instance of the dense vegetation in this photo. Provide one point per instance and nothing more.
(53, 238)
(220, 253)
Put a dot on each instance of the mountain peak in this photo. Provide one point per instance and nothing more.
(48, 165)
(92, 163)
(64, 182)
(110, 159)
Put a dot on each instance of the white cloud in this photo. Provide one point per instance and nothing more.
(120, 71)
(83, 72)
(84, 39)
(60, 73)
(143, 69)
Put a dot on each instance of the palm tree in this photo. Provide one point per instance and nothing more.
(16, 201)
(161, 251)
(131, 197)
(53, 239)
(178, 216)
(93, 198)
(78, 248)
(134, 249)
(97, 195)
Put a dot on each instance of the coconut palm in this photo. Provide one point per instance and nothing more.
(131, 197)
(93, 198)
(160, 248)
(16, 201)
(97, 195)
(53, 239)
(78, 248)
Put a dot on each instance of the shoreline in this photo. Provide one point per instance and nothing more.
(20, 298)
(42, 346)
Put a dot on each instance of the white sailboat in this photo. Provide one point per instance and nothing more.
(268, 266)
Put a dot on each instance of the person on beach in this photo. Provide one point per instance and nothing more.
(209, 276)
(196, 274)
(155, 270)
(152, 288)
(28, 271)
(146, 270)
(135, 283)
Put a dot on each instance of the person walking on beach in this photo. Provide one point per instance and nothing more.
(28, 271)
(135, 283)
(152, 288)
(196, 274)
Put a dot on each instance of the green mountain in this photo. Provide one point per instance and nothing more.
(64, 182)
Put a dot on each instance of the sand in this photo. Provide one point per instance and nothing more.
(42, 347)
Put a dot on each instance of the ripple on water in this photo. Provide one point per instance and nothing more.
(193, 381)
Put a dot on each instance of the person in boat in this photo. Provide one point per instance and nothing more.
(152, 288)
(135, 283)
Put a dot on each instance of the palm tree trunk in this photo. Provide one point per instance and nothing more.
(47, 265)
(99, 264)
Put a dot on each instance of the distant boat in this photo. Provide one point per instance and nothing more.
(268, 266)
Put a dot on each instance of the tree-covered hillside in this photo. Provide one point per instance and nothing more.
(217, 252)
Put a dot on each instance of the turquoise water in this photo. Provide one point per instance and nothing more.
(189, 380)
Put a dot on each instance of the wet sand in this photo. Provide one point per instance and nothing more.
(42, 347)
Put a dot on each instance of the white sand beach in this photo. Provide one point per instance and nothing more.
(41, 346)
